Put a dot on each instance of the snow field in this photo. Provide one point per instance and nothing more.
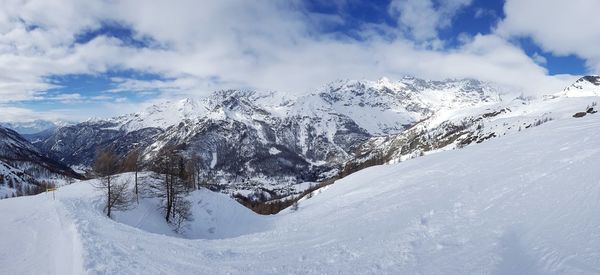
(525, 203)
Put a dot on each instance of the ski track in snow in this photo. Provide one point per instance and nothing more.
(528, 203)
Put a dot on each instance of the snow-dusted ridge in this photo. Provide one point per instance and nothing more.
(390, 103)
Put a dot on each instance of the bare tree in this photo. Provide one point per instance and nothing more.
(120, 198)
(174, 186)
(132, 163)
(192, 173)
(116, 193)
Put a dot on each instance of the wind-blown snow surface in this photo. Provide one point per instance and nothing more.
(526, 203)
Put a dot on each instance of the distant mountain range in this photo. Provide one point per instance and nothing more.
(252, 141)
(34, 126)
(264, 144)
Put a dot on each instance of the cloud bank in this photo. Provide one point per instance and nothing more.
(199, 46)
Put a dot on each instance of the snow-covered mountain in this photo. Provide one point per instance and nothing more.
(23, 168)
(523, 203)
(585, 86)
(459, 128)
(251, 140)
(520, 197)
(260, 143)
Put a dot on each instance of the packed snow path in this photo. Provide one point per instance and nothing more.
(527, 203)
(37, 235)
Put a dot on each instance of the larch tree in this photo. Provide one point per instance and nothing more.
(106, 165)
(173, 187)
(132, 163)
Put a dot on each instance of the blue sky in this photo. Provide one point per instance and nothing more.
(108, 58)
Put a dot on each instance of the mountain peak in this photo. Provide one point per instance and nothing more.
(588, 85)
(187, 105)
(384, 80)
(186, 102)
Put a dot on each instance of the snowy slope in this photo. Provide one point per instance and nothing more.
(525, 203)
(39, 237)
(23, 169)
(457, 128)
(215, 215)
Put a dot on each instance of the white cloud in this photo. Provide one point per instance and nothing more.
(179, 85)
(18, 114)
(67, 98)
(539, 59)
(103, 107)
(421, 19)
(417, 17)
(558, 26)
(200, 46)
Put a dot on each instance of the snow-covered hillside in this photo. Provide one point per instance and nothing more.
(458, 128)
(525, 203)
(11, 180)
(24, 170)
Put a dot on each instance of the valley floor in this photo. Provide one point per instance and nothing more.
(527, 203)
